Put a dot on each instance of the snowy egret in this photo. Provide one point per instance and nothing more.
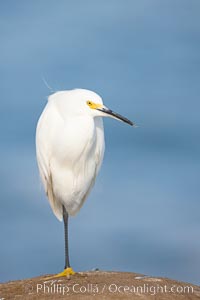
(70, 148)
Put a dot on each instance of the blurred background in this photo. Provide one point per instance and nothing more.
(143, 58)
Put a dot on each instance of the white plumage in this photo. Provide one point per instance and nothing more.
(70, 148)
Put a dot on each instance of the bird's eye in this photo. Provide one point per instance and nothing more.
(89, 103)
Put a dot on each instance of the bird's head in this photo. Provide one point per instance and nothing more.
(85, 102)
(102, 111)
(97, 108)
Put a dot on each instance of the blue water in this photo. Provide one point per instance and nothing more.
(143, 58)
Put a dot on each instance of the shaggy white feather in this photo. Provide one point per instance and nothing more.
(69, 148)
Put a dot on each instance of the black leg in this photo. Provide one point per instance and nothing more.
(65, 219)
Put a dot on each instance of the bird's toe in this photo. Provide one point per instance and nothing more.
(66, 273)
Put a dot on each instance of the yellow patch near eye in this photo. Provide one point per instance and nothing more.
(93, 105)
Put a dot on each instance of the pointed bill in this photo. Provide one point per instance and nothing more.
(115, 115)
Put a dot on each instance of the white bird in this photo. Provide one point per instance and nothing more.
(70, 149)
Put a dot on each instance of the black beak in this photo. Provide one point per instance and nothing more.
(116, 116)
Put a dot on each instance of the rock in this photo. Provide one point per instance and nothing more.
(99, 285)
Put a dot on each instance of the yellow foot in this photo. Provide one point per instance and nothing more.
(66, 273)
